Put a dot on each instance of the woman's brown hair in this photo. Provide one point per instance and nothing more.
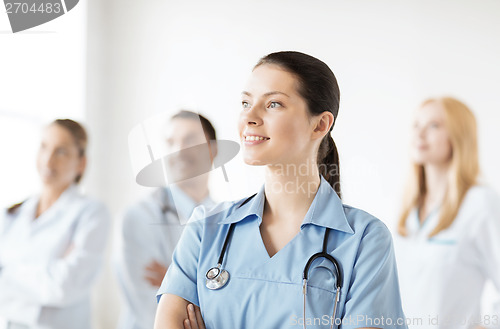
(318, 86)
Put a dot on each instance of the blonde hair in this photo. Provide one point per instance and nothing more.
(464, 167)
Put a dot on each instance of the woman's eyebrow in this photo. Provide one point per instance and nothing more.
(266, 94)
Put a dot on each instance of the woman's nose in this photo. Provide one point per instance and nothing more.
(422, 132)
(252, 117)
(51, 159)
(47, 158)
(419, 132)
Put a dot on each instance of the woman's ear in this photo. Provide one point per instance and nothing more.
(212, 148)
(82, 165)
(323, 123)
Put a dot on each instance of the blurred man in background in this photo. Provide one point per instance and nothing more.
(152, 227)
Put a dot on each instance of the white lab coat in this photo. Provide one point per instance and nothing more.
(49, 264)
(150, 231)
(442, 278)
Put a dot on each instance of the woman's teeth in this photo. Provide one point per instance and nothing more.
(255, 138)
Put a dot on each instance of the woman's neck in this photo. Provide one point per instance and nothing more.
(436, 182)
(48, 197)
(290, 191)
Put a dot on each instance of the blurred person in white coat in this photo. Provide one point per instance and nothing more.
(51, 245)
(448, 244)
(152, 227)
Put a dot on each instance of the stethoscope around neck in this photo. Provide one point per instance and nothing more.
(337, 276)
(217, 277)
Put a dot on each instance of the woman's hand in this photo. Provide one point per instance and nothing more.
(194, 320)
(155, 272)
(68, 250)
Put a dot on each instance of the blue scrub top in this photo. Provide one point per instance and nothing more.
(266, 292)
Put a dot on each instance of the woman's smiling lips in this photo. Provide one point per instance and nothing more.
(253, 139)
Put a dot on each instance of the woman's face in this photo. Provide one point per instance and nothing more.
(431, 142)
(274, 124)
(58, 160)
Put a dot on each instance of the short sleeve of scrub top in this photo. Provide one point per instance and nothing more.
(266, 292)
(183, 269)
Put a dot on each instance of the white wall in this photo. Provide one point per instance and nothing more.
(148, 56)
(42, 77)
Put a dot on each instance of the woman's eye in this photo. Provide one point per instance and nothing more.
(274, 105)
(245, 105)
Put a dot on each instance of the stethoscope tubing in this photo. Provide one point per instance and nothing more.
(324, 254)
(215, 282)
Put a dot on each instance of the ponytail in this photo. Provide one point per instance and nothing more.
(328, 163)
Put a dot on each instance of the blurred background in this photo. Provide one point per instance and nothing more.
(114, 63)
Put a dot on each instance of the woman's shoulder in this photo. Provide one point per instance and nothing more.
(482, 195)
(9, 214)
(479, 214)
(370, 235)
(13, 209)
(480, 202)
(363, 222)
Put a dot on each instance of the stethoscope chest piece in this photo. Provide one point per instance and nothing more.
(216, 278)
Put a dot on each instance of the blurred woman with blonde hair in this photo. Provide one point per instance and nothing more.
(448, 244)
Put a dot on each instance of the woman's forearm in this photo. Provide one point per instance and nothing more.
(171, 312)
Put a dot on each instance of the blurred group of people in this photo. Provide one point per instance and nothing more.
(52, 244)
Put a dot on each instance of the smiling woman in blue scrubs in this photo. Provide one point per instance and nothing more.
(289, 106)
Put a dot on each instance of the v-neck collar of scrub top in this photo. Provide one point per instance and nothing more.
(267, 290)
(326, 210)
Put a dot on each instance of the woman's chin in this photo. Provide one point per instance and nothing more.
(254, 162)
(47, 180)
(52, 183)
